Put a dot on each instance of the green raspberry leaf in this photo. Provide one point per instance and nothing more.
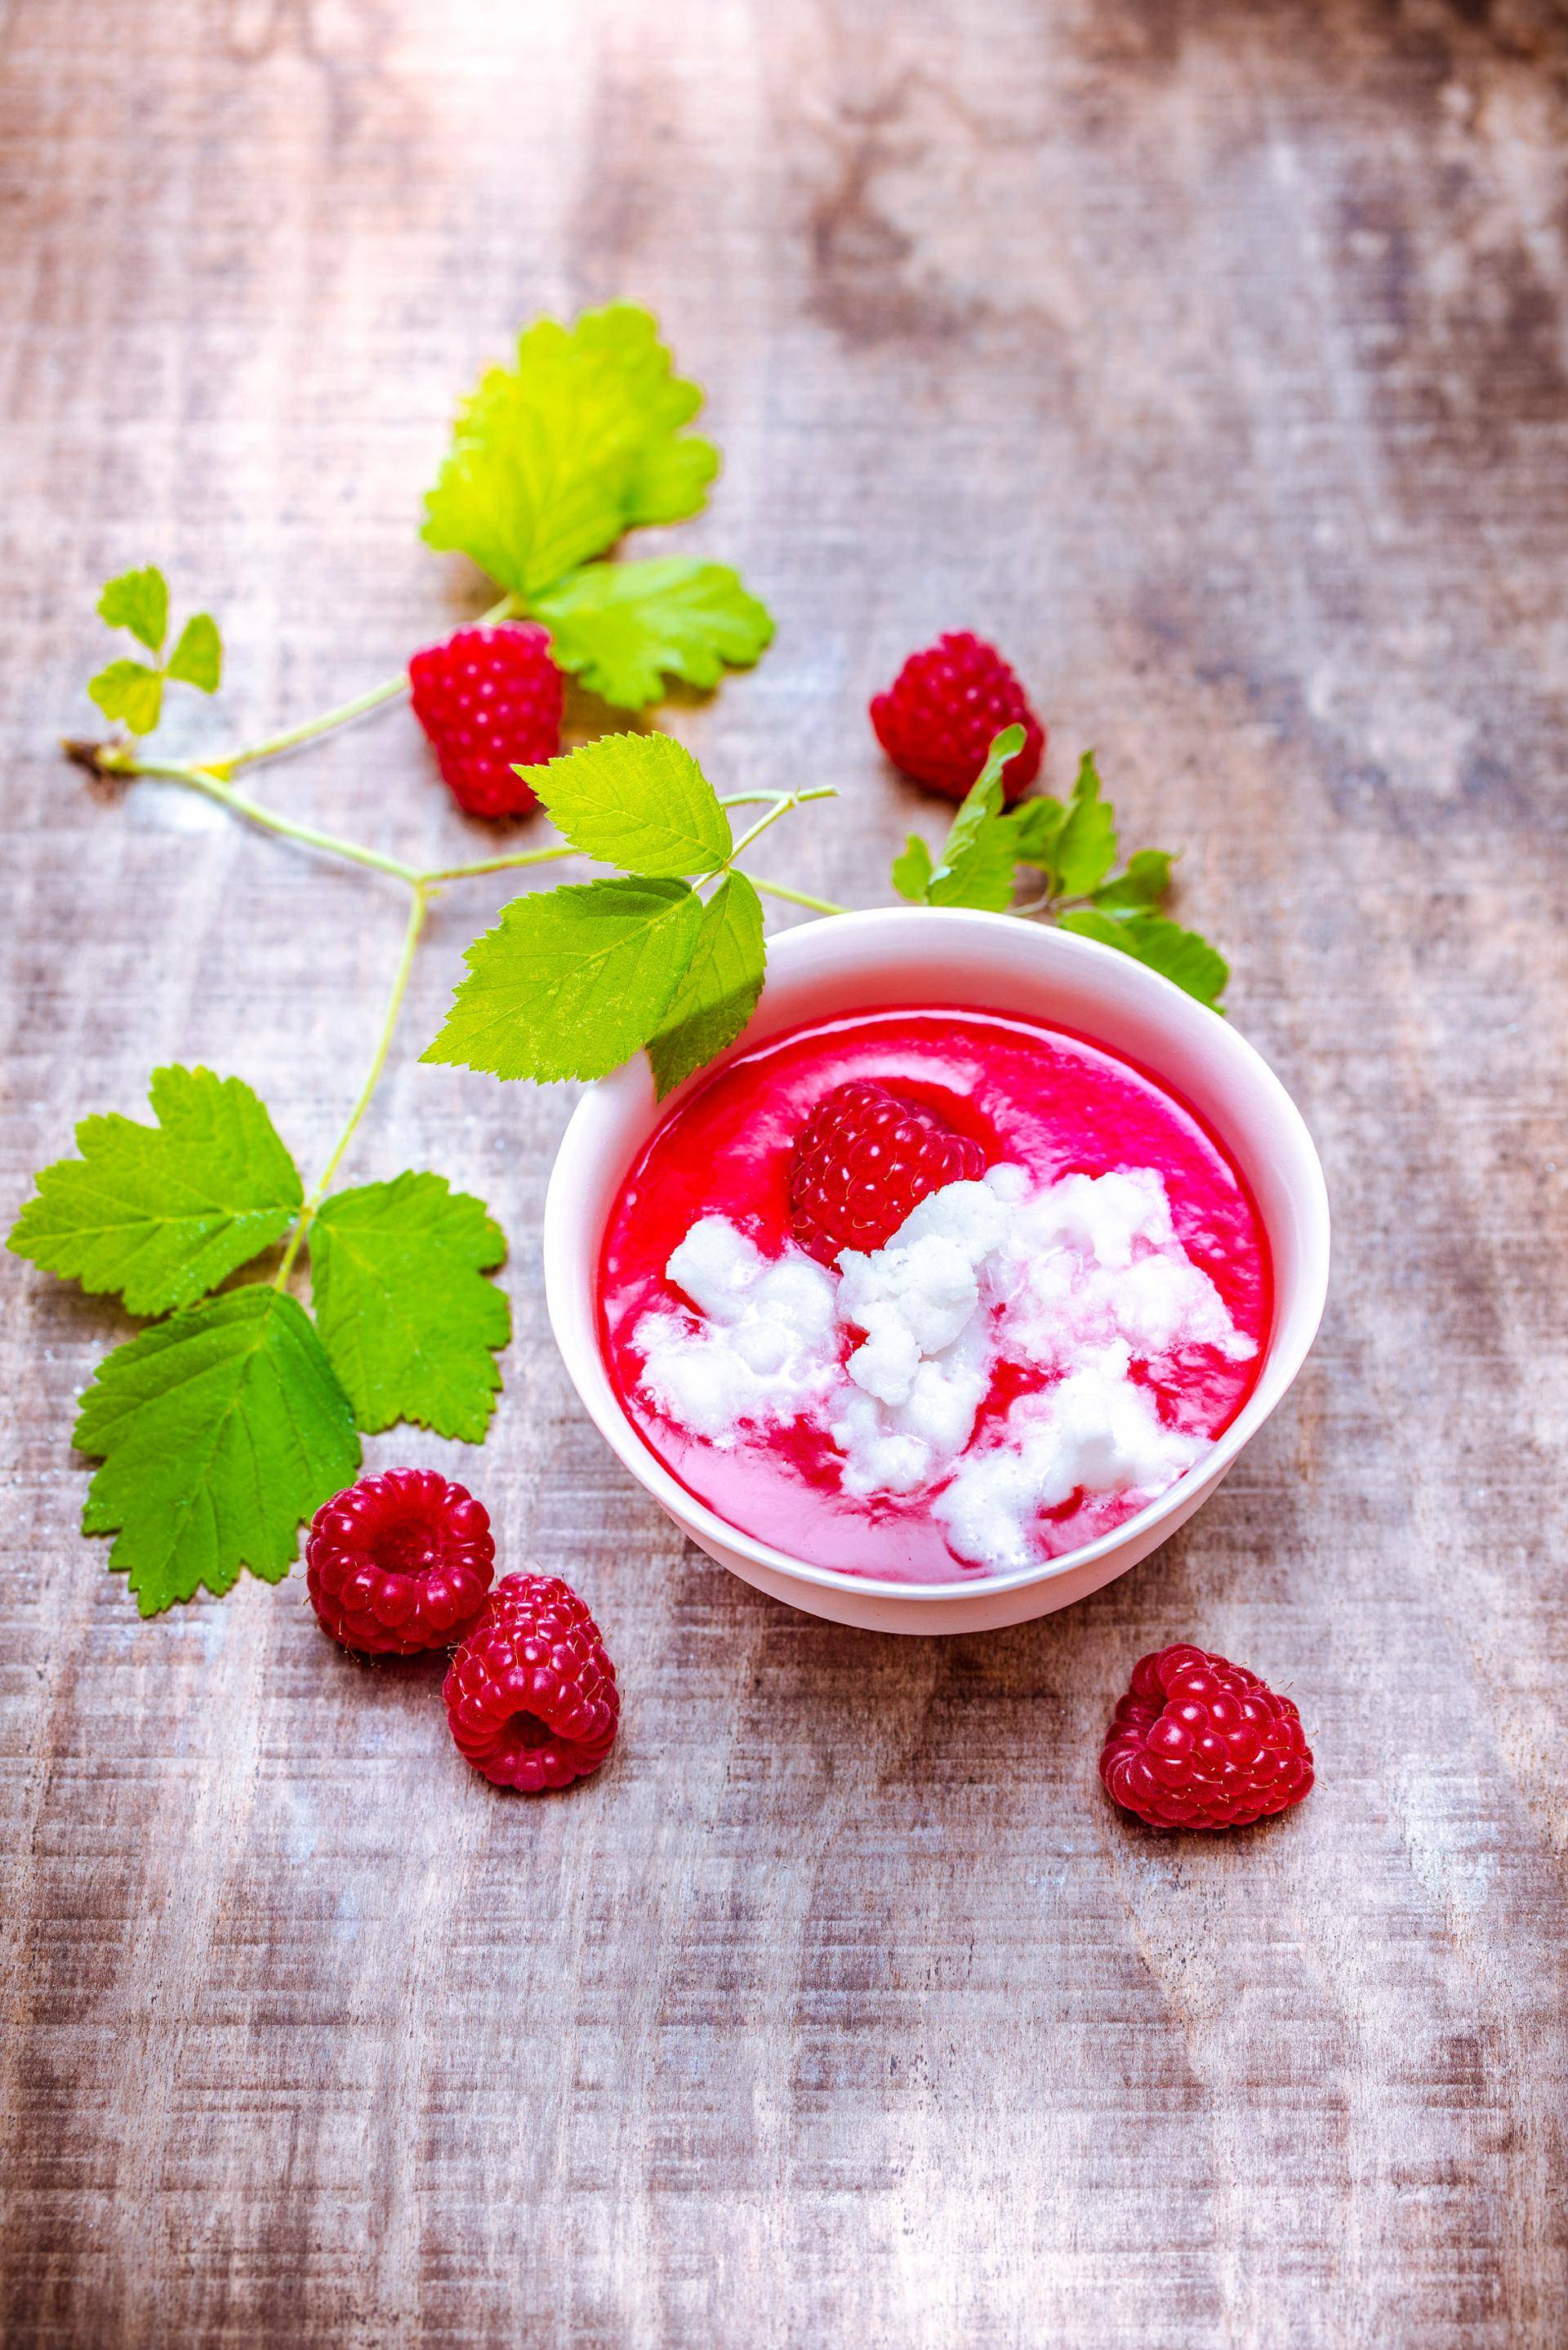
(1144, 883)
(624, 628)
(552, 458)
(719, 993)
(130, 690)
(911, 873)
(639, 801)
(198, 658)
(571, 981)
(1184, 956)
(138, 600)
(219, 1431)
(1036, 830)
(161, 1214)
(396, 1274)
(1086, 846)
(978, 858)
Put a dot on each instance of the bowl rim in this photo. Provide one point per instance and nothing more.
(602, 1109)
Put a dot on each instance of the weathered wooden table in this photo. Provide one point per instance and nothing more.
(1213, 358)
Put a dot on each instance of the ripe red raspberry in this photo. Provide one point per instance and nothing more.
(863, 1160)
(1200, 1743)
(938, 719)
(400, 1562)
(531, 1696)
(488, 698)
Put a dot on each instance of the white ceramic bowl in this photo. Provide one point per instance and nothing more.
(901, 955)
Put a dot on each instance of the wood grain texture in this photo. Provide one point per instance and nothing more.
(1215, 358)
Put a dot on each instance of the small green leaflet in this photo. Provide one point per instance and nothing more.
(571, 981)
(1074, 845)
(138, 600)
(720, 991)
(219, 1431)
(397, 1277)
(624, 628)
(639, 801)
(912, 871)
(130, 691)
(979, 855)
(163, 1213)
(1036, 827)
(1181, 955)
(1143, 883)
(552, 458)
(198, 658)
(1085, 846)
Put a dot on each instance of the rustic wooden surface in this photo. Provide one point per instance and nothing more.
(1215, 357)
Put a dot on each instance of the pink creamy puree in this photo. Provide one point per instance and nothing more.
(1035, 1098)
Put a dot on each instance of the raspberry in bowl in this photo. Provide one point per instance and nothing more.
(956, 1285)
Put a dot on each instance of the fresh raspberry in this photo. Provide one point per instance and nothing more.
(863, 1160)
(940, 717)
(400, 1562)
(531, 1696)
(1200, 1743)
(487, 698)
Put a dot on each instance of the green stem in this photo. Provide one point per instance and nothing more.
(273, 745)
(795, 897)
(417, 909)
(500, 864)
(784, 802)
(205, 780)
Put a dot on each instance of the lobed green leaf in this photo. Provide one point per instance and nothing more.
(138, 600)
(409, 1321)
(219, 1431)
(571, 981)
(625, 627)
(161, 1214)
(639, 801)
(550, 460)
(129, 690)
(198, 656)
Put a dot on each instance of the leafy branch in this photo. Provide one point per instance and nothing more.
(1072, 847)
(226, 1423)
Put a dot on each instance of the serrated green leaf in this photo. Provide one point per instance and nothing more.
(161, 1214)
(1086, 844)
(624, 628)
(219, 1431)
(1036, 829)
(397, 1277)
(130, 690)
(639, 801)
(719, 992)
(978, 856)
(911, 874)
(552, 458)
(198, 658)
(1184, 956)
(571, 981)
(1144, 883)
(138, 600)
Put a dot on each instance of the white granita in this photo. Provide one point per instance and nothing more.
(1078, 1280)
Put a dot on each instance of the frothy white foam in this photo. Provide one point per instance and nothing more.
(1079, 1280)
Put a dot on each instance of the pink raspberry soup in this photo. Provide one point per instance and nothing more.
(1034, 1097)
